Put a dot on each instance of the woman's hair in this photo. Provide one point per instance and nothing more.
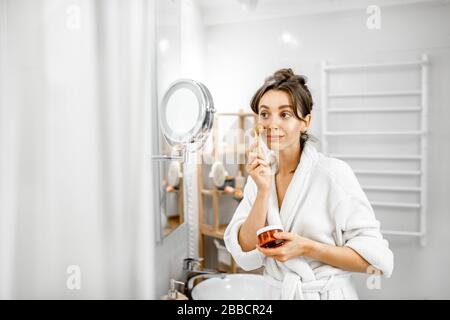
(295, 86)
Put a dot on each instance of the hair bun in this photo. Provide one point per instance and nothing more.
(301, 79)
(283, 74)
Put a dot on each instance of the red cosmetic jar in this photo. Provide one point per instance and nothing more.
(266, 237)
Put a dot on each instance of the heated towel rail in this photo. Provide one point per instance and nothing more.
(420, 134)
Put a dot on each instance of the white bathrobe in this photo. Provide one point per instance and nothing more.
(324, 202)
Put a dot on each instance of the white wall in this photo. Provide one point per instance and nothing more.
(240, 55)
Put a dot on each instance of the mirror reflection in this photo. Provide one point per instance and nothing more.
(182, 111)
(172, 208)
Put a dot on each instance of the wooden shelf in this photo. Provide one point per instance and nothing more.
(172, 223)
(210, 192)
(216, 230)
(210, 231)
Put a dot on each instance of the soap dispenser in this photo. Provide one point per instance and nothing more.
(173, 293)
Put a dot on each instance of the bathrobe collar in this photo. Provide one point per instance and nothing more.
(297, 189)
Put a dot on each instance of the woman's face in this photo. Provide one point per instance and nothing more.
(276, 114)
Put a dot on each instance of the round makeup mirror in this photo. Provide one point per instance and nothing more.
(186, 115)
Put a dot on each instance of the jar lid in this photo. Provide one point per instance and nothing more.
(267, 228)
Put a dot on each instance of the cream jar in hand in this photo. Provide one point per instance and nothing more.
(266, 237)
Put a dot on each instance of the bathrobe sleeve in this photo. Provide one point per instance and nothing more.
(359, 228)
(246, 260)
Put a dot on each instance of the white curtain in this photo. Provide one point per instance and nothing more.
(75, 123)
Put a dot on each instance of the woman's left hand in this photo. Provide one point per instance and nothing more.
(293, 246)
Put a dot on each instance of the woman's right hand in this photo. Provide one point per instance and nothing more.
(258, 168)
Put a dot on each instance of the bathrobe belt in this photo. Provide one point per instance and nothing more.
(292, 285)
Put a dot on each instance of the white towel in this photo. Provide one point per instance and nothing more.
(269, 155)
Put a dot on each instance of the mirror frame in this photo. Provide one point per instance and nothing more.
(195, 137)
(174, 138)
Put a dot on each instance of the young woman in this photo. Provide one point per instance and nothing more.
(330, 229)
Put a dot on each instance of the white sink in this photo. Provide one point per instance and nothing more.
(238, 286)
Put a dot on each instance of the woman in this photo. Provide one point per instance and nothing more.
(330, 229)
